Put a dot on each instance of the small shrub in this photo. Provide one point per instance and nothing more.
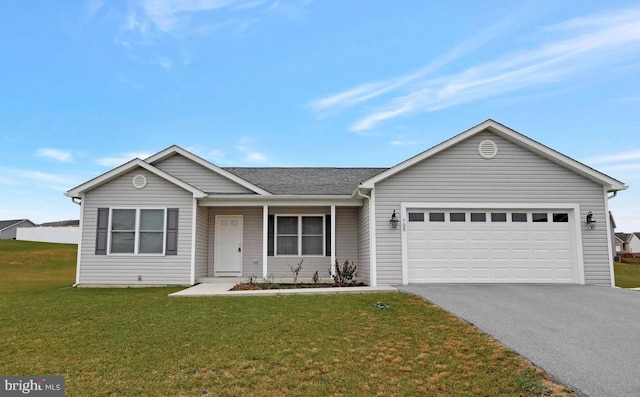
(315, 278)
(346, 273)
(295, 271)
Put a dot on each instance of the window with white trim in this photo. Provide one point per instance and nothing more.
(300, 235)
(138, 231)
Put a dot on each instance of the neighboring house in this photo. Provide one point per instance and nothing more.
(612, 235)
(487, 205)
(67, 232)
(619, 244)
(8, 228)
(628, 243)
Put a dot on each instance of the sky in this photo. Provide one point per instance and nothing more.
(88, 85)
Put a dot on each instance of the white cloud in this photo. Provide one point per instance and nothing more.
(613, 158)
(245, 149)
(404, 143)
(565, 52)
(255, 157)
(22, 176)
(114, 161)
(55, 154)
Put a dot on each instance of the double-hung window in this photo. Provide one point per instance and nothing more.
(137, 231)
(300, 235)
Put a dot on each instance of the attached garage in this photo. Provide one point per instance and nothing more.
(502, 244)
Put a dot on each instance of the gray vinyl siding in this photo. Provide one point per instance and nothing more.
(199, 176)
(515, 175)
(124, 269)
(364, 243)
(347, 234)
(202, 239)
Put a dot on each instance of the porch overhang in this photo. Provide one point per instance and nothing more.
(235, 200)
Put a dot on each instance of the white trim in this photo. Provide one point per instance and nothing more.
(575, 217)
(373, 257)
(199, 160)
(118, 171)
(194, 217)
(610, 243)
(225, 200)
(610, 183)
(299, 234)
(332, 264)
(136, 231)
(265, 241)
(79, 254)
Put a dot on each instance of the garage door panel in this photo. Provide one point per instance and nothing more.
(491, 251)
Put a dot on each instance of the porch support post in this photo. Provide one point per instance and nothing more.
(265, 240)
(194, 231)
(333, 240)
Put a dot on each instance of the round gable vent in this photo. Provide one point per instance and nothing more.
(139, 181)
(487, 149)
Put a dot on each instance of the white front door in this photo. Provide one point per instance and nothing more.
(228, 246)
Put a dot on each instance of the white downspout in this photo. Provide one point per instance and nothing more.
(373, 277)
(610, 243)
(194, 215)
(79, 254)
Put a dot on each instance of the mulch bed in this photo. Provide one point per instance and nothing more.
(259, 286)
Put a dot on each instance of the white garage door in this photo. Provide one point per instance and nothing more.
(491, 246)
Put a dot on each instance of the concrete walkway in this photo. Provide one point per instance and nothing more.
(586, 337)
(222, 289)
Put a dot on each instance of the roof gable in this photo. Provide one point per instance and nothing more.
(173, 150)
(496, 128)
(13, 222)
(124, 168)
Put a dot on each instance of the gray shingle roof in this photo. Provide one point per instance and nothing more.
(306, 181)
(6, 224)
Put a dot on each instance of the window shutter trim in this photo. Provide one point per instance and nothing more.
(270, 235)
(172, 232)
(102, 231)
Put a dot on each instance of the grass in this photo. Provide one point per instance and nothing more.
(627, 275)
(132, 342)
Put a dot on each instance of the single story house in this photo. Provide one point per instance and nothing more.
(9, 228)
(628, 243)
(488, 205)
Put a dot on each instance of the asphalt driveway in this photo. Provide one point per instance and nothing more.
(585, 337)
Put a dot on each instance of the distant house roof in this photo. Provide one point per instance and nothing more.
(75, 222)
(637, 235)
(306, 181)
(13, 222)
(626, 237)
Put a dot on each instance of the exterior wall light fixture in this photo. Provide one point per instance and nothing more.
(394, 220)
(591, 223)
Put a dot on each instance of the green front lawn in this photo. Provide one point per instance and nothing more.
(139, 342)
(627, 275)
